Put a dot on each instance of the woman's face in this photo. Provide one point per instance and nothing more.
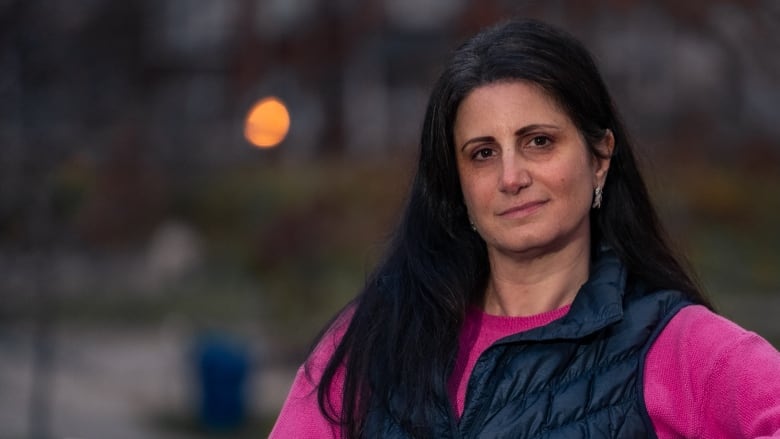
(526, 174)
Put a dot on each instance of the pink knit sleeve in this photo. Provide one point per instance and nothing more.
(300, 417)
(707, 377)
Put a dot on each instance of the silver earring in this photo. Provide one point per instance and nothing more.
(597, 195)
(473, 227)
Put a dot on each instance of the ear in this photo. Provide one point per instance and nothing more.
(602, 158)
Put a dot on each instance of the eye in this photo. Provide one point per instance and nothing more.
(483, 154)
(540, 141)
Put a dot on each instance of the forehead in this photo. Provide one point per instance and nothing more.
(521, 101)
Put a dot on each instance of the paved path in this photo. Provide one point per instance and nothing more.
(112, 384)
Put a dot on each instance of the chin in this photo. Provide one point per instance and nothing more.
(531, 244)
(536, 244)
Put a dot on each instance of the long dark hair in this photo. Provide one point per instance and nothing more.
(403, 327)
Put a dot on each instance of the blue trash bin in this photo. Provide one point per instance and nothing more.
(222, 371)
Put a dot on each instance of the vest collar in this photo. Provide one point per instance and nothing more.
(598, 303)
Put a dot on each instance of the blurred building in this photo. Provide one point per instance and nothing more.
(179, 75)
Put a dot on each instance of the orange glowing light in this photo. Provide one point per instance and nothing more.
(267, 123)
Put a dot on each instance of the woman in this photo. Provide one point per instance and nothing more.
(529, 290)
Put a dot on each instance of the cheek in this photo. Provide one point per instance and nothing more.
(577, 175)
(469, 186)
(471, 195)
(574, 184)
(479, 190)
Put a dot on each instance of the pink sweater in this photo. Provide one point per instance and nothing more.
(705, 377)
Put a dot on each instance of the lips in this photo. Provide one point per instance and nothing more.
(522, 209)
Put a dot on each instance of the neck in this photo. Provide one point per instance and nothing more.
(529, 284)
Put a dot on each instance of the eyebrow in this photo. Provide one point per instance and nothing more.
(519, 133)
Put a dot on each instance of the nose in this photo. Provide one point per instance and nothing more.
(514, 174)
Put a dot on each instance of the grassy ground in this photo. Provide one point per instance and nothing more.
(290, 244)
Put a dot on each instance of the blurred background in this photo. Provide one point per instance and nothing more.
(189, 189)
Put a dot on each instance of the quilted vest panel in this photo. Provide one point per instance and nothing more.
(578, 377)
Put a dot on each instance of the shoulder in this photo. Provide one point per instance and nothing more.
(706, 375)
(328, 343)
(698, 336)
(706, 328)
(301, 416)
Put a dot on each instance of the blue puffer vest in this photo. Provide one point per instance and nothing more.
(578, 377)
